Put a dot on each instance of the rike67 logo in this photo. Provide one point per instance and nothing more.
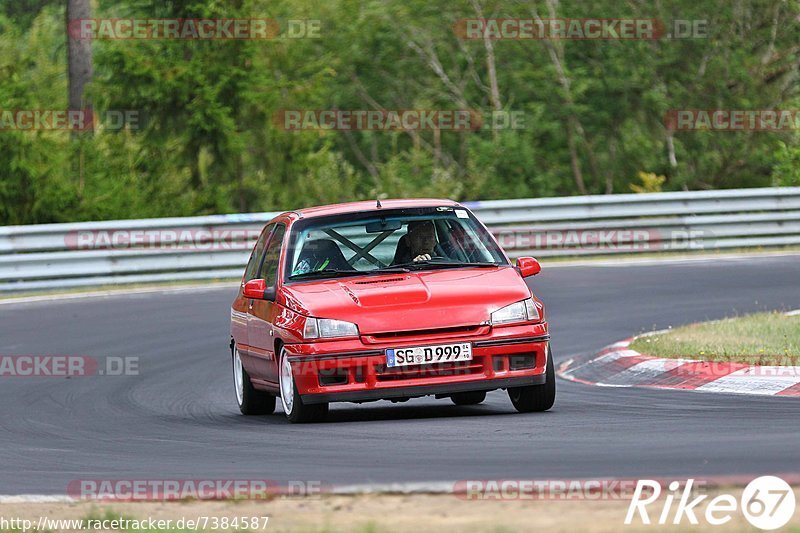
(768, 503)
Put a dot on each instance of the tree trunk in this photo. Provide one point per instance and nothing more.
(79, 56)
(79, 73)
(573, 156)
(574, 129)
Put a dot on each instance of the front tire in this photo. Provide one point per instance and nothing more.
(468, 398)
(294, 408)
(250, 400)
(536, 398)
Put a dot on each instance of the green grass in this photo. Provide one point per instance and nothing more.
(763, 338)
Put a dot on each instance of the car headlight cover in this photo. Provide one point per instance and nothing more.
(523, 311)
(328, 328)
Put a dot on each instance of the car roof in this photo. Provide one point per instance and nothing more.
(371, 205)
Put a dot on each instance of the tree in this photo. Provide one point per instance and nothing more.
(79, 56)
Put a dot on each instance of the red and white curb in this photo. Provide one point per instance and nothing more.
(619, 366)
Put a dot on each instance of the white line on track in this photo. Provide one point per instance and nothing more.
(656, 261)
(118, 292)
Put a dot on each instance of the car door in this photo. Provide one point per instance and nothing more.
(262, 313)
(241, 305)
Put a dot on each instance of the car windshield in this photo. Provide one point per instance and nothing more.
(391, 241)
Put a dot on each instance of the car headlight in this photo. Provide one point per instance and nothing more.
(523, 311)
(327, 328)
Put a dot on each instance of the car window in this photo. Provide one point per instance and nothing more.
(257, 253)
(360, 242)
(269, 268)
(383, 251)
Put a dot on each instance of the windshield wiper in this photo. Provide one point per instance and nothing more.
(332, 272)
(338, 272)
(394, 269)
(443, 263)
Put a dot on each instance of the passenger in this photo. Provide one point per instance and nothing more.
(320, 254)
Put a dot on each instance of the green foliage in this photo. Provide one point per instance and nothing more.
(649, 183)
(210, 142)
(786, 172)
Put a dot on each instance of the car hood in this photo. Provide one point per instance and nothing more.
(410, 301)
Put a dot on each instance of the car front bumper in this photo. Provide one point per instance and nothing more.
(351, 370)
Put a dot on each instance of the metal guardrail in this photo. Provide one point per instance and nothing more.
(55, 256)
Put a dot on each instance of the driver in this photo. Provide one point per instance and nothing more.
(417, 244)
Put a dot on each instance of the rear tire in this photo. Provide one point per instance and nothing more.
(293, 407)
(468, 398)
(250, 400)
(536, 398)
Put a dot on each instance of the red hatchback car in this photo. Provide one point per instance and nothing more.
(385, 301)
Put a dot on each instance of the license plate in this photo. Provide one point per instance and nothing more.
(426, 355)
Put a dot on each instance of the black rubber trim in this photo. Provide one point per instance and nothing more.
(505, 342)
(348, 355)
(423, 390)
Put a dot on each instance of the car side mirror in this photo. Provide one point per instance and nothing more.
(528, 266)
(257, 289)
(269, 293)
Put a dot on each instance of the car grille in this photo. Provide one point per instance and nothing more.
(424, 334)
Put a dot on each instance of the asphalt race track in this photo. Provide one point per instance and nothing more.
(178, 418)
